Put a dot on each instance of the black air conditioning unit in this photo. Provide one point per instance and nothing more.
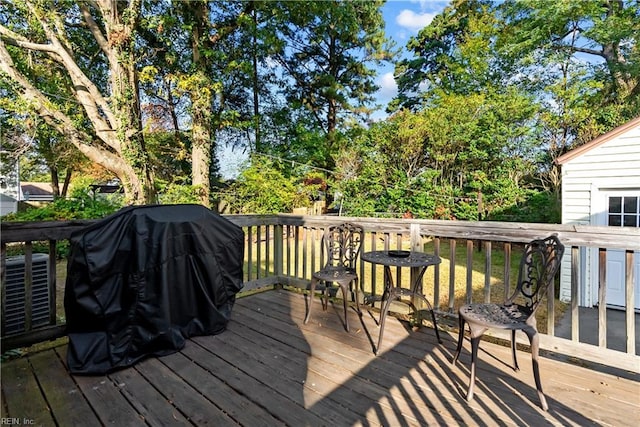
(14, 308)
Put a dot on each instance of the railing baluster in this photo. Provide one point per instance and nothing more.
(398, 247)
(373, 266)
(469, 271)
(575, 280)
(249, 253)
(296, 249)
(314, 238)
(487, 271)
(436, 275)
(507, 270)
(602, 297)
(452, 274)
(551, 300)
(267, 251)
(258, 251)
(278, 260)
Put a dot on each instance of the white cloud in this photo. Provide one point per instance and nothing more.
(388, 87)
(414, 21)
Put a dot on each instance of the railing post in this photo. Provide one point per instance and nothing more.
(416, 238)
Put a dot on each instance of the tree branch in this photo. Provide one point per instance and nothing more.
(589, 51)
(94, 28)
(85, 91)
(17, 40)
(56, 119)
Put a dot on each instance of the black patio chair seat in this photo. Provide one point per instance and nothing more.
(498, 316)
(332, 274)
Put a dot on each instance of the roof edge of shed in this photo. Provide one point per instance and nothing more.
(576, 152)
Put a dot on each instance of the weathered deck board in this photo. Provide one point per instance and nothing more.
(59, 389)
(270, 369)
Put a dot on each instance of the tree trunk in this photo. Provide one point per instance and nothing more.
(67, 181)
(201, 107)
(120, 27)
(55, 183)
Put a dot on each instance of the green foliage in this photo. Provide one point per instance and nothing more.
(536, 206)
(81, 204)
(262, 188)
(493, 94)
(179, 194)
(438, 161)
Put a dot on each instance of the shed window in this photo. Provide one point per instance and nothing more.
(624, 211)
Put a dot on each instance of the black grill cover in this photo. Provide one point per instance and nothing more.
(144, 279)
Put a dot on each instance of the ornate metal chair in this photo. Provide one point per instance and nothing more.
(538, 267)
(342, 248)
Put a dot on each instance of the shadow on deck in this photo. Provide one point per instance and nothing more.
(270, 369)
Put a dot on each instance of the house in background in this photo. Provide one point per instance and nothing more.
(601, 187)
(13, 192)
(8, 204)
(10, 192)
(36, 192)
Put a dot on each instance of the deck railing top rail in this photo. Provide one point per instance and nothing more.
(571, 235)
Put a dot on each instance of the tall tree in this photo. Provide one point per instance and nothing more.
(93, 45)
(327, 51)
(605, 32)
(203, 62)
(452, 55)
(537, 48)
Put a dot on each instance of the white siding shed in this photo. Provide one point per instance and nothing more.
(601, 186)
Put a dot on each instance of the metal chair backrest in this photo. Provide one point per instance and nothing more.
(343, 244)
(538, 267)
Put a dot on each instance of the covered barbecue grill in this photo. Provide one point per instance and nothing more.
(143, 280)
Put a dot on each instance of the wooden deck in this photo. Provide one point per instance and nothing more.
(270, 369)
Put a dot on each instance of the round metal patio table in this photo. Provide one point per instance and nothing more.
(419, 261)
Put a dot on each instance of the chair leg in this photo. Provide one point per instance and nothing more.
(345, 292)
(356, 284)
(435, 325)
(513, 350)
(383, 316)
(476, 332)
(309, 298)
(460, 338)
(324, 298)
(534, 340)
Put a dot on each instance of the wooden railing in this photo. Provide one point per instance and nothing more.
(286, 249)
